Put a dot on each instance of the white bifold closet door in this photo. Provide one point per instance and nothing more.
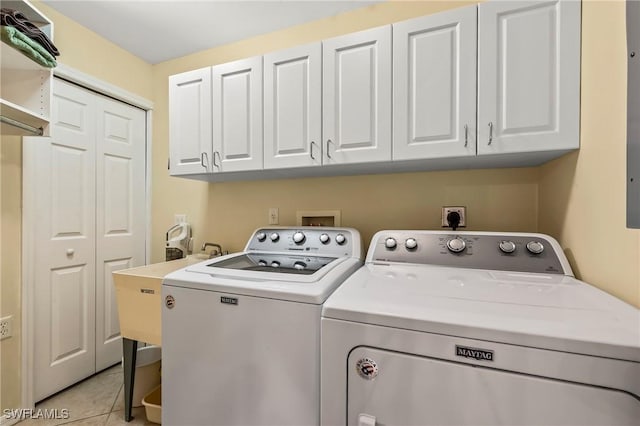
(89, 221)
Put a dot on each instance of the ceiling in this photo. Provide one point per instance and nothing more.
(157, 31)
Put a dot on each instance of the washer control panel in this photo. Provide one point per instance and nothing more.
(478, 250)
(307, 239)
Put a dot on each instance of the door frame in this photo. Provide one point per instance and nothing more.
(28, 202)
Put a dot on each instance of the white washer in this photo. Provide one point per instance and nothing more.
(476, 328)
(241, 333)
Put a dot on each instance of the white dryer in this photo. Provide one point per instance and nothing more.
(241, 333)
(476, 328)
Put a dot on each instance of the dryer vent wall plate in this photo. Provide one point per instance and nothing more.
(318, 218)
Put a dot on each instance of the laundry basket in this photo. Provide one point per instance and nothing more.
(147, 376)
(152, 405)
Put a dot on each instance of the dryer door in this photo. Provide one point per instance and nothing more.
(390, 388)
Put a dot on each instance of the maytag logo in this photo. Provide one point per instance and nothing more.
(228, 300)
(475, 353)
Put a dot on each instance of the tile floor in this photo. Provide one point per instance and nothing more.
(96, 401)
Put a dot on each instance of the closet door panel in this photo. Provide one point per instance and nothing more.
(64, 242)
(120, 215)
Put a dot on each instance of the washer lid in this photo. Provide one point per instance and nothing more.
(537, 310)
(242, 276)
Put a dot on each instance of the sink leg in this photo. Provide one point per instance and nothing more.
(130, 350)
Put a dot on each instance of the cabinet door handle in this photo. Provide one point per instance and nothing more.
(214, 159)
(490, 133)
(204, 163)
(328, 152)
(311, 150)
(466, 135)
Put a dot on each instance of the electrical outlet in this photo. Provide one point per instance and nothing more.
(6, 327)
(273, 216)
(179, 218)
(462, 211)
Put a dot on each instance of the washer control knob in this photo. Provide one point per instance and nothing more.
(390, 243)
(261, 236)
(507, 246)
(274, 237)
(535, 247)
(300, 265)
(411, 243)
(324, 238)
(275, 264)
(299, 237)
(341, 239)
(262, 263)
(456, 245)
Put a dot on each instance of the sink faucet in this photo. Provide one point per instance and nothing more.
(213, 253)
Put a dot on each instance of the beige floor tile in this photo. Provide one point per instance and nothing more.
(116, 418)
(92, 397)
(116, 369)
(91, 421)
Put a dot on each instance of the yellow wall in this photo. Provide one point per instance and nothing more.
(87, 52)
(582, 195)
(568, 198)
(10, 225)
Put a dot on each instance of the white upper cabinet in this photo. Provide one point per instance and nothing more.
(528, 76)
(356, 98)
(237, 115)
(434, 85)
(489, 85)
(190, 122)
(292, 107)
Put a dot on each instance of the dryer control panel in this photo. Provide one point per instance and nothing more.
(337, 242)
(520, 252)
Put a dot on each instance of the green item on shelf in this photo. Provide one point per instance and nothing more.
(28, 47)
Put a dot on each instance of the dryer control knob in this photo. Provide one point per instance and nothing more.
(324, 238)
(275, 264)
(535, 247)
(390, 243)
(456, 245)
(411, 243)
(274, 237)
(341, 239)
(262, 263)
(261, 236)
(299, 237)
(507, 246)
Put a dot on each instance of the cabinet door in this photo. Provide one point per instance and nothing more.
(292, 107)
(190, 122)
(528, 76)
(237, 115)
(434, 85)
(356, 100)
